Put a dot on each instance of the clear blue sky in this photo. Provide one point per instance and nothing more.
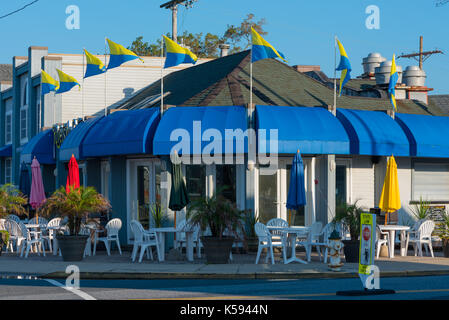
(302, 30)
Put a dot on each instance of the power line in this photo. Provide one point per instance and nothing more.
(18, 10)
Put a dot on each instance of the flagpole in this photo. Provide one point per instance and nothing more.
(105, 77)
(82, 93)
(251, 79)
(335, 73)
(162, 76)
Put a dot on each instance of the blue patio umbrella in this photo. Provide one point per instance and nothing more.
(296, 196)
(24, 181)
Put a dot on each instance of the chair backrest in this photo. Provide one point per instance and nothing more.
(113, 227)
(262, 231)
(315, 229)
(2, 224)
(13, 228)
(425, 229)
(277, 222)
(39, 220)
(136, 228)
(23, 230)
(55, 222)
(13, 217)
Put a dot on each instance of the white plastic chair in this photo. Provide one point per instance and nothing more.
(278, 236)
(381, 239)
(422, 236)
(112, 228)
(265, 241)
(37, 220)
(2, 224)
(49, 234)
(15, 235)
(145, 240)
(181, 237)
(29, 241)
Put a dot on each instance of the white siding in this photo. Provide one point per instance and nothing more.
(362, 175)
(120, 83)
(405, 189)
(431, 181)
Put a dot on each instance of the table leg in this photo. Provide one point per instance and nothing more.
(391, 244)
(161, 239)
(189, 246)
(403, 241)
(55, 246)
(293, 257)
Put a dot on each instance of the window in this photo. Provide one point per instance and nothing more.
(8, 171)
(196, 182)
(24, 113)
(226, 177)
(431, 181)
(8, 122)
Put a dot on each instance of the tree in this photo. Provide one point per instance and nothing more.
(207, 46)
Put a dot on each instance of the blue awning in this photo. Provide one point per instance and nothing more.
(222, 127)
(6, 151)
(73, 143)
(311, 130)
(427, 134)
(122, 133)
(40, 146)
(373, 133)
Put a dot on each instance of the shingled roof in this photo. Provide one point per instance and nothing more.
(5, 72)
(226, 81)
(442, 101)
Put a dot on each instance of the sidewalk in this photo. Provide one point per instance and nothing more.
(115, 266)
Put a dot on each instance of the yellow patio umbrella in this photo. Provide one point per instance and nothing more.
(390, 199)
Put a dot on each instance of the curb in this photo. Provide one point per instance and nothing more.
(247, 276)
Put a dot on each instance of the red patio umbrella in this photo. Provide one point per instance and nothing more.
(73, 178)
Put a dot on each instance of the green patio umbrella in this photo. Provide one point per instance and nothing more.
(178, 194)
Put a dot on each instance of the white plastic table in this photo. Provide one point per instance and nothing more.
(161, 234)
(33, 229)
(293, 233)
(391, 238)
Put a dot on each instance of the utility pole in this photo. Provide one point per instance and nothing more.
(173, 6)
(421, 56)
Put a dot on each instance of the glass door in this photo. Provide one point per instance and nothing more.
(269, 204)
(144, 190)
(342, 183)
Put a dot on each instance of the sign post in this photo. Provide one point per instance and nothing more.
(368, 272)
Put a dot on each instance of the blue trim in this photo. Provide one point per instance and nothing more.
(40, 146)
(311, 130)
(122, 133)
(220, 118)
(6, 151)
(373, 133)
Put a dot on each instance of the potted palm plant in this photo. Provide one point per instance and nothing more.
(158, 215)
(224, 221)
(252, 240)
(349, 215)
(443, 232)
(75, 206)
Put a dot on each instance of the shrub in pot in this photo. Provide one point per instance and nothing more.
(443, 232)
(224, 221)
(4, 239)
(252, 241)
(349, 215)
(74, 205)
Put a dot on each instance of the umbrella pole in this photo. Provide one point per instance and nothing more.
(386, 218)
(175, 224)
(289, 217)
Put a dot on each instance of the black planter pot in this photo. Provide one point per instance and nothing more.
(217, 250)
(72, 247)
(446, 248)
(351, 250)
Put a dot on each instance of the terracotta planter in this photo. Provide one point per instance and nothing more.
(351, 250)
(217, 250)
(72, 247)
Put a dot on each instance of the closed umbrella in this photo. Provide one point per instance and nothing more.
(24, 180)
(390, 199)
(296, 196)
(178, 194)
(73, 177)
(37, 193)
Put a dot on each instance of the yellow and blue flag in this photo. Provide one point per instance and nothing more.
(261, 49)
(119, 55)
(48, 84)
(344, 67)
(94, 65)
(394, 77)
(177, 55)
(66, 82)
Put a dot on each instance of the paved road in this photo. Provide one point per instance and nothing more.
(435, 287)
